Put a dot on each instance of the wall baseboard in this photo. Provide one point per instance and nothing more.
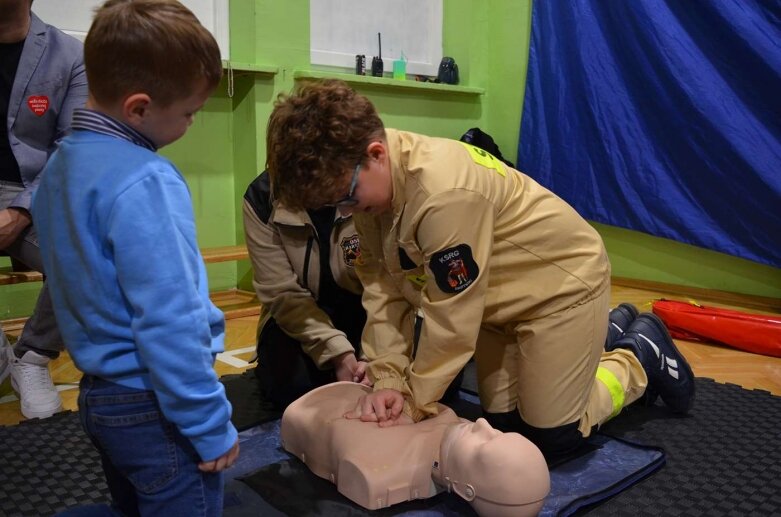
(699, 294)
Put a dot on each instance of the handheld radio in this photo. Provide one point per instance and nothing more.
(377, 60)
(360, 64)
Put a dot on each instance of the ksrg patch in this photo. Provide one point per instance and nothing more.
(351, 250)
(454, 268)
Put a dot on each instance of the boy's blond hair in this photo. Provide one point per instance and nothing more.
(157, 47)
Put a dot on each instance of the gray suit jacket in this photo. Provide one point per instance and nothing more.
(50, 82)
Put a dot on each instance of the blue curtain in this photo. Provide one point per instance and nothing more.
(661, 116)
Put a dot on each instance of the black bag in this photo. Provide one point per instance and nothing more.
(448, 71)
(478, 138)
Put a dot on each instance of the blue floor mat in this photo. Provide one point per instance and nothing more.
(281, 484)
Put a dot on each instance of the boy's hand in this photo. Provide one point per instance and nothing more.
(383, 406)
(12, 222)
(221, 463)
(348, 368)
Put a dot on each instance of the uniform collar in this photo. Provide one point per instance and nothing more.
(283, 215)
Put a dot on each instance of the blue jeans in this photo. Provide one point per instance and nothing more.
(150, 467)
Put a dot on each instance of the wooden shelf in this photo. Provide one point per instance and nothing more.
(210, 256)
(386, 82)
(8, 276)
(253, 68)
(234, 303)
(224, 253)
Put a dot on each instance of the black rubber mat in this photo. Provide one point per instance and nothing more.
(249, 407)
(724, 459)
(47, 466)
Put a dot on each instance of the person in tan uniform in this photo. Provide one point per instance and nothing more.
(304, 275)
(500, 268)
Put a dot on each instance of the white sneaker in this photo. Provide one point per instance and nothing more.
(30, 379)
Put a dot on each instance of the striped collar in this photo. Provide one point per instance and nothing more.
(91, 120)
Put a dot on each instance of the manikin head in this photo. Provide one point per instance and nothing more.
(498, 473)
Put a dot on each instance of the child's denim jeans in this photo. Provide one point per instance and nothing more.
(151, 469)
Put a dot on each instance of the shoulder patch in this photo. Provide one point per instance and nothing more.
(351, 250)
(454, 268)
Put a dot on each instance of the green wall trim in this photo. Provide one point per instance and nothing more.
(239, 66)
(387, 82)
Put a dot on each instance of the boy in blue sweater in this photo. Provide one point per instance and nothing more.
(127, 280)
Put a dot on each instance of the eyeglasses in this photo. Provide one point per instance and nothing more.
(349, 200)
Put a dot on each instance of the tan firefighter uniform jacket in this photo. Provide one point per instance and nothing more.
(284, 252)
(475, 245)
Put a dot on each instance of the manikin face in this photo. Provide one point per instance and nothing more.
(165, 125)
(499, 473)
(469, 439)
(373, 191)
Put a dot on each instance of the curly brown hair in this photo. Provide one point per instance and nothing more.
(315, 138)
(157, 47)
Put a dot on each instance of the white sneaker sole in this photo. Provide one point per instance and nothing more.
(30, 412)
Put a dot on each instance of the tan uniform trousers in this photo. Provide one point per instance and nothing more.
(535, 369)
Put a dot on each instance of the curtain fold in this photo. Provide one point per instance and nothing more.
(661, 116)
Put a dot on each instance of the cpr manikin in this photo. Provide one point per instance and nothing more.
(499, 474)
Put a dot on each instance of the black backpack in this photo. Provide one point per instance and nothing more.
(448, 71)
(478, 138)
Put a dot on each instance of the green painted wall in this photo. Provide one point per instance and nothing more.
(489, 40)
(225, 148)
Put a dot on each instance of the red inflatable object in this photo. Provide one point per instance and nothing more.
(757, 333)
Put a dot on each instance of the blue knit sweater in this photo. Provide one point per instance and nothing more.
(128, 283)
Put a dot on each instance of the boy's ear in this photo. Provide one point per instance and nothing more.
(377, 150)
(135, 106)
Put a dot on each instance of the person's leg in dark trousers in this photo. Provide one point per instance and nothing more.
(40, 340)
(284, 371)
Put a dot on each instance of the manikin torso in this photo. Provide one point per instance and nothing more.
(498, 473)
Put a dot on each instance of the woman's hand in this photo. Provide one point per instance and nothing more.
(348, 368)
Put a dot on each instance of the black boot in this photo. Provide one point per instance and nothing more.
(619, 320)
(669, 375)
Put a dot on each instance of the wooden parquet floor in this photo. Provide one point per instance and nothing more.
(721, 363)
